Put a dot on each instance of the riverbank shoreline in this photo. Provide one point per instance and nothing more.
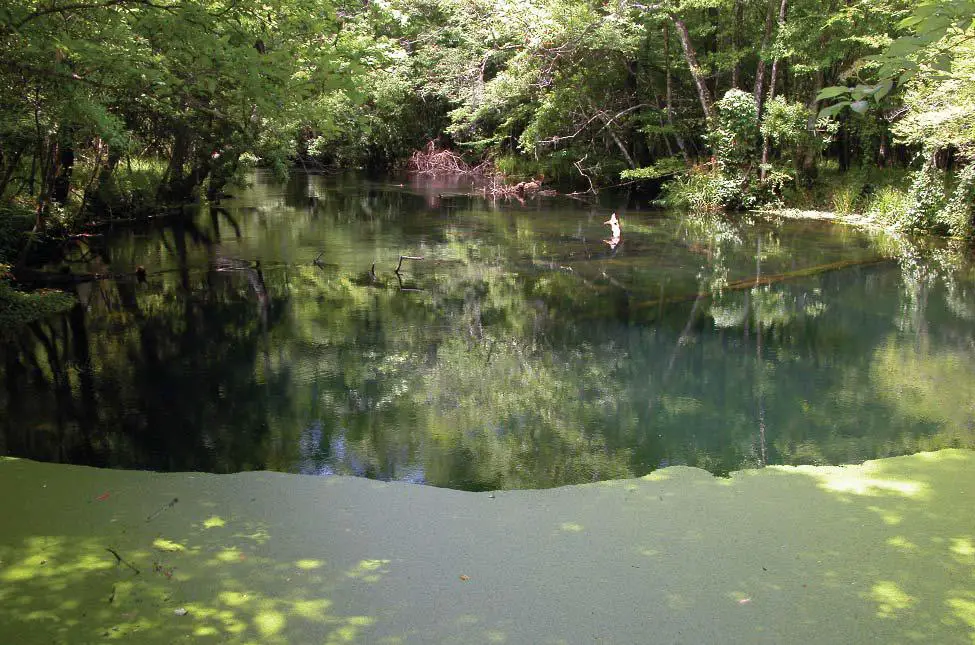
(858, 220)
(880, 552)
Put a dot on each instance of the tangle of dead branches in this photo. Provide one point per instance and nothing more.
(432, 160)
(491, 182)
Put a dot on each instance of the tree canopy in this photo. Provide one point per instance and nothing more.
(754, 92)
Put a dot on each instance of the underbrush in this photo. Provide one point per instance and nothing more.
(878, 190)
(133, 186)
(16, 221)
(922, 200)
(19, 308)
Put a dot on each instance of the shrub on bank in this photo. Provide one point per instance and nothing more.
(20, 308)
(16, 221)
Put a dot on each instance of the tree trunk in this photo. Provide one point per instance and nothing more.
(808, 164)
(763, 168)
(690, 55)
(103, 198)
(62, 177)
(48, 168)
(736, 43)
(760, 72)
(173, 177)
(670, 96)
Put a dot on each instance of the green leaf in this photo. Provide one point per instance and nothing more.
(860, 107)
(909, 22)
(903, 47)
(832, 110)
(831, 92)
(883, 89)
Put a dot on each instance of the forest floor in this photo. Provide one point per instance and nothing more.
(882, 552)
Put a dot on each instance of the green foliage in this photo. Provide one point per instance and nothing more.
(662, 168)
(926, 200)
(18, 308)
(846, 199)
(785, 122)
(941, 108)
(888, 204)
(958, 213)
(735, 137)
(16, 221)
(699, 191)
(572, 91)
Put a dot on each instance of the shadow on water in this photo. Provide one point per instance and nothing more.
(274, 332)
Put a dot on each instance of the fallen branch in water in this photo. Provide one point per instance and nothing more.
(120, 560)
(27, 276)
(163, 508)
(761, 281)
(401, 258)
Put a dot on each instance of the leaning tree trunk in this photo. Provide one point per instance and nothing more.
(763, 169)
(690, 55)
(670, 97)
(760, 72)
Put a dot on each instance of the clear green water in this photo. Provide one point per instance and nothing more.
(522, 351)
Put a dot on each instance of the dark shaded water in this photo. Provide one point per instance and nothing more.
(522, 351)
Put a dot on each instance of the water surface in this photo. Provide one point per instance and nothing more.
(523, 350)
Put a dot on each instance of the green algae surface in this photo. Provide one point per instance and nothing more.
(881, 552)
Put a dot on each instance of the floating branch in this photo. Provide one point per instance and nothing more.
(120, 560)
(163, 508)
(403, 287)
(400, 265)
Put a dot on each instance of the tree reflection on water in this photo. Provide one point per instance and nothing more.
(520, 352)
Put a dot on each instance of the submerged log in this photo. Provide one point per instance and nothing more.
(764, 280)
(39, 278)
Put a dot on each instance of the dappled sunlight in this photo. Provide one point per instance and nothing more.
(214, 522)
(889, 517)
(962, 547)
(963, 608)
(657, 476)
(167, 545)
(127, 578)
(890, 598)
(53, 557)
(163, 601)
(369, 570)
(901, 543)
(858, 481)
(775, 555)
